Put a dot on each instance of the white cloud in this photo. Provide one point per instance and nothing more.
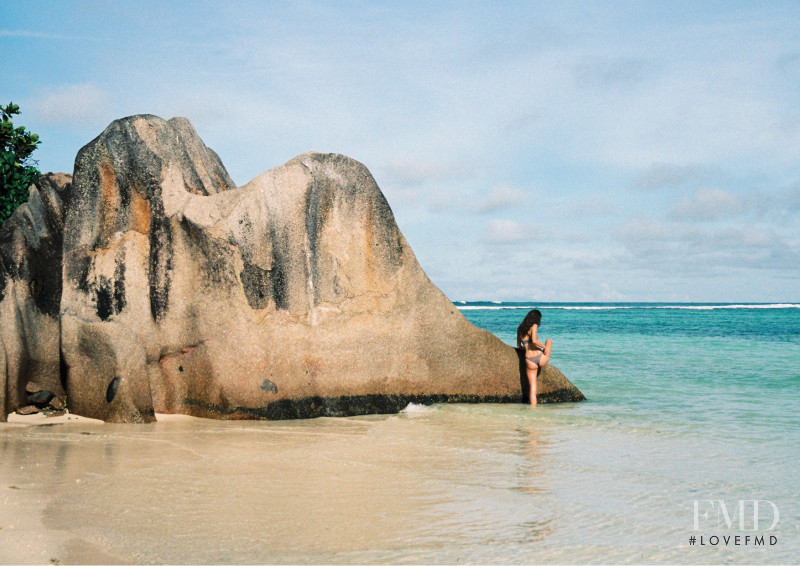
(504, 231)
(678, 249)
(611, 295)
(708, 204)
(745, 238)
(639, 230)
(445, 200)
(593, 206)
(74, 105)
(611, 72)
(31, 34)
(794, 197)
(682, 94)
(413, 171)
(577, 237)
(501, 197)
(669, 175)
(443, 102)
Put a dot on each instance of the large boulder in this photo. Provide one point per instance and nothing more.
(30, 294)
(295, 295)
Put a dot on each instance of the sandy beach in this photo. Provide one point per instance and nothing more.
(25, 537)
(27, 533)
(188, 490)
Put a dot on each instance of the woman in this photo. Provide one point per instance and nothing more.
(536, 354)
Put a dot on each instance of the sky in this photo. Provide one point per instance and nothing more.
(531, 151)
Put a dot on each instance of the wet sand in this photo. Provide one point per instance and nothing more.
(188, 490)
(448, 484)
(28, 485)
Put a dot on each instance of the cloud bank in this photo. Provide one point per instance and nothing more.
(650, 148)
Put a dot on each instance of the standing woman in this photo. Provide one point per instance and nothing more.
(536, 354)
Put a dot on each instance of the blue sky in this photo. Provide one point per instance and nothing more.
(542, 151)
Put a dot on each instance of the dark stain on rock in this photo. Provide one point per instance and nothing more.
(119, 283)
(561, 396)
(125, 190)
(280, 292)
(31, 245)
(104, 302)
(269, 386)
(111, 392)
(190, 150)
(94, 345)
(388, 236)
(110, 295)
(45, 267)
(318, 209)
(160, 275)
(313, 407)
(78, 271)
(341, 183)
(216, 254)
(257, 285)
(63, 369)
(318, 205)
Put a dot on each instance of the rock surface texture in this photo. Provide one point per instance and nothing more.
(30, 293)
(150, 283)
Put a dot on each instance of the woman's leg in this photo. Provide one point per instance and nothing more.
(535, 367)
(533, 373)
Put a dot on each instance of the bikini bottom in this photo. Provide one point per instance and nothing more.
(535, 358)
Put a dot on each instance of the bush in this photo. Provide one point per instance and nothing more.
(17, 173)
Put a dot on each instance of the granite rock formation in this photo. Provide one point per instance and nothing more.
(152, 284)
(30, 294)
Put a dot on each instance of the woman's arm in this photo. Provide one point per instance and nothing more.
(548, 347)
(535, 338)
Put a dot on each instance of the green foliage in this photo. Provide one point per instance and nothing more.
(16, 172)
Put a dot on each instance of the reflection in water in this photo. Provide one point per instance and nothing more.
(535, 461)
(536, 530)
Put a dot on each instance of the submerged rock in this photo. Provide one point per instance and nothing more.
(293, 296)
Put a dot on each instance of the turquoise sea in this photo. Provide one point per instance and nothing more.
(685, 402)
(691, 417)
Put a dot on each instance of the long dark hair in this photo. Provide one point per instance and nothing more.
(533, 317)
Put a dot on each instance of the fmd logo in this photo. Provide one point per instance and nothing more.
(747, 515)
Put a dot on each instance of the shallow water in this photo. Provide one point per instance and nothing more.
(678, 411)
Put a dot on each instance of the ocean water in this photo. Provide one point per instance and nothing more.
(692, 414)
(685, 402)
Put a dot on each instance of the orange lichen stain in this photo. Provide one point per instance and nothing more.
(108, 199)
(140, 213)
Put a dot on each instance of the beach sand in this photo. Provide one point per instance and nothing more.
(25, 538)
(447, 484)
(29, 490)
(188, 490)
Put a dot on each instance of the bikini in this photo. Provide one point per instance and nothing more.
(536, 357)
